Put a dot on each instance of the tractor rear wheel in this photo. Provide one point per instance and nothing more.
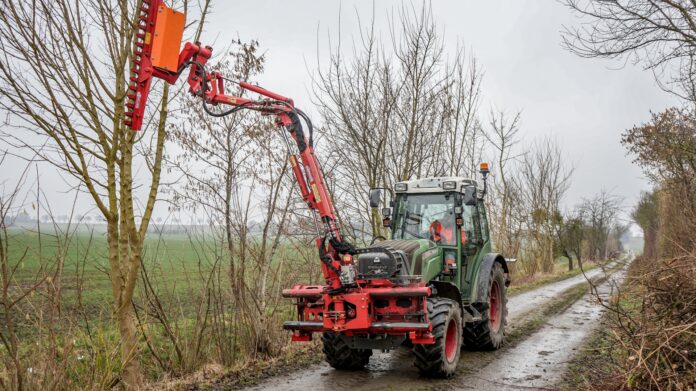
(341, 356)
(488, 333)
(440, 359)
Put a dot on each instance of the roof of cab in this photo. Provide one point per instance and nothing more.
(435, 184)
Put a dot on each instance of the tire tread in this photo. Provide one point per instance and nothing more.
(341, 356)
(429, 359)
(478, 335)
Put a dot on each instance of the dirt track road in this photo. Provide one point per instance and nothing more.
(535, 361)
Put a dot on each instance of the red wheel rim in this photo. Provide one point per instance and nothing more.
(451, 341)
(495, 308)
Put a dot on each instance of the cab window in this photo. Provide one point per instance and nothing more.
(484, 223)
(425, 216)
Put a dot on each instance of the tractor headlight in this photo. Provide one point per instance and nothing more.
(449, 185)
(401, 186)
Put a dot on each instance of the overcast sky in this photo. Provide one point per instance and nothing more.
(585, 104)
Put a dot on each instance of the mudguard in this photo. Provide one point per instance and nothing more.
(484, 275)
(447, 290)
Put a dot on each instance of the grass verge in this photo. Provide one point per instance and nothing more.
(249, 373)
(529, 284)
(592, 363)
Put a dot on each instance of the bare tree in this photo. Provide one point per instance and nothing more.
(461, 97)
(546, 178)
(418, 51)
(506, 202)
(218, 152)
(10, 296)
(570, 233)
(64, 74)
(660, 34)
(236, 172)
(356, 101)
(396, 114)
(599, 213)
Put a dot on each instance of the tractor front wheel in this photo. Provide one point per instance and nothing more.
(341, 356)
(440, 359)
(488, 333)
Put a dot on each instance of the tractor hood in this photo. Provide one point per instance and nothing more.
(374, 262)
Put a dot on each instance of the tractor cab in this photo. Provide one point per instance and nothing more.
(448, 213)
(434, 209)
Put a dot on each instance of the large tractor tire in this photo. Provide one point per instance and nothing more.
(489, 333)
(340, 356)
(440, 359)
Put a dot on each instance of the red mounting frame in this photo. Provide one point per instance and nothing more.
(377, 307)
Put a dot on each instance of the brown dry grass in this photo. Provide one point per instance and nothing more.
(249, 372)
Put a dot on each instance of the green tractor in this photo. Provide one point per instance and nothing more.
(434, 284)
(442, 226)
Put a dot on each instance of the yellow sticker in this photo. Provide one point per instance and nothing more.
(232, 100)
(293, 162)
(147, 38)
(316, 193)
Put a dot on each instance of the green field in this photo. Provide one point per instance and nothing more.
(176, 263)
(179, 267)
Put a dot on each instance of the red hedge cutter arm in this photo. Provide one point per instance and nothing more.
(156, 54)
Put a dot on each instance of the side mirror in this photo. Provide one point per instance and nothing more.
(386, 222)
(375, 197)
(458, 211)
(469, 196)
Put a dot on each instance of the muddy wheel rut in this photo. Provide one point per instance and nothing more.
(546, 326)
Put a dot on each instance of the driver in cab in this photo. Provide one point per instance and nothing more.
(442, 232)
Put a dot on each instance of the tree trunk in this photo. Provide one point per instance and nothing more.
(376, 221)
(570, 259)
(649, 243)
(131, 375)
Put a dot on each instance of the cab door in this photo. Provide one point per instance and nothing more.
(471, 247)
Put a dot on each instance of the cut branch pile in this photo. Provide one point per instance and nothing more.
(658, 330)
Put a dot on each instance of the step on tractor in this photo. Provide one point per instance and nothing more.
(434, 285)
